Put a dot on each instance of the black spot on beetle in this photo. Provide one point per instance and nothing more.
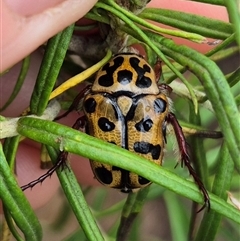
(142, 81)
(155, 150)
(90, 105)
(105, 124)
(104, 175)
(107, 79)
(164, 130)
(146, 68)
(124, 77)
(118, 61)
(146, 147)
(142, 180)
(114, 168)
(112, 142)
(144, 125)
(159, 106)
(141, 147)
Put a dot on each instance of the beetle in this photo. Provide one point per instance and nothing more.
(127, 107)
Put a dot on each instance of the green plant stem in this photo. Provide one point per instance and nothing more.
(192, 23)
(51, 64)
(221, 46)
(192, 36)
(234, 77)
(222, 182)
(19, 83)
(77, 201)
(10, 147)
(199, 162)
(215, 2)
(11, 225)
(234, 16)
(216, 88)
(16, 203)
(198, 151)
(130, 211)
(178, 220)
(73, 141)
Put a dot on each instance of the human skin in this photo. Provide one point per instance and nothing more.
(27, 24)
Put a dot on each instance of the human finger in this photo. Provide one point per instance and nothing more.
(24, 30)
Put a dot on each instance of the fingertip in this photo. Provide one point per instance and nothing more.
(22, 34)
(29, 7)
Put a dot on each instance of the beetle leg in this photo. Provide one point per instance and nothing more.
(164, 88)
(75, 102)
(164, 130)
(62, 157)
(158, 69)
(185, 158)
(158, 72)
(61, 160)
(49, 173)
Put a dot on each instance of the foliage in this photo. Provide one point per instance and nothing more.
(212, 106)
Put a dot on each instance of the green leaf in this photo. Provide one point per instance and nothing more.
(179, 222)
(81, 144)
(234, 77)
(16, 203)
(77, 201)
(131, 210)
(204, 26)
(211, 221)
(10, 147)
(198, 154)
(215, 86)
(19, 83)
(234, 16)
(126, 16)
(215, 2)
(51, 64)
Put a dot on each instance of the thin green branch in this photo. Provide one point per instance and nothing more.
(131, 209)
(16, 203)
(234, 16)
(222, 182)
(191, 36)
(81, 144)
(19, 83)
(201, 26)
(77, 201)
(52, 62)
(216, 88)
(214, 2)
